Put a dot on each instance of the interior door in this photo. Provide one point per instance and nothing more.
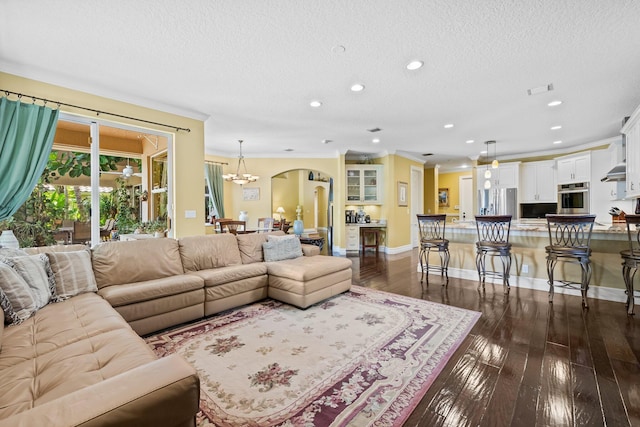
(466, 198)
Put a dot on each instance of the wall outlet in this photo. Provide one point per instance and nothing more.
(525, 268)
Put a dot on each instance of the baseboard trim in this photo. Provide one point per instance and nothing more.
(538, 284)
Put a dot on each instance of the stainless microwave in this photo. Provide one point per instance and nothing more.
(573, 198)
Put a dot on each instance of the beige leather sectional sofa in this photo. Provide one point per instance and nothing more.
(81, 362)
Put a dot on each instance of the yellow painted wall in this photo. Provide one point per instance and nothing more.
(430, 192)
(397, 168)
(188, 146)
(451, 181)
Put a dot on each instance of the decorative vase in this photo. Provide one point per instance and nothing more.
(158, 234)
(9, 240)
(298, 227)
(244, 216)
(310, 175)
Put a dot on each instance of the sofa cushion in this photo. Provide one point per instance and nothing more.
(234, 273)
(36, 272)
(304, 269)
(16, 298)
(117, 263)
(73, 367)
(58, 325)
(250, 245)
(278, 248)
(73, 273)
(132, 293)
(210, 251)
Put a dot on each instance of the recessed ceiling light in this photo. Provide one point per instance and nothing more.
(357, 87)
(464, 166)
(338, 49)
(557, 142)
(288, 149)
(326, 141)
(554, 103)
(414, 65)
(448, 126)
(375, 140)
(483, 152)
(315, 104)
(469, 141)
(556, 127)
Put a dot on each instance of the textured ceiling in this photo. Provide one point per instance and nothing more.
(250, 68)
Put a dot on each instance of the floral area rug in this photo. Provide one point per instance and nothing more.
(362, 358)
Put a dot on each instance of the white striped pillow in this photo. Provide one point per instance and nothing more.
(35, 270)
(73, 273)
(16, 298)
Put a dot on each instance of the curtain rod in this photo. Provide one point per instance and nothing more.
(216, 163)
(98, 112)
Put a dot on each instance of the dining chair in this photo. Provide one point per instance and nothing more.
(431, 228)
(219, 221)
(570, 242)
(265, 225)
(631, 257)
(234, 227)
(493, 240)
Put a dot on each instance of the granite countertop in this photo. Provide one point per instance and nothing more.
(540, 226)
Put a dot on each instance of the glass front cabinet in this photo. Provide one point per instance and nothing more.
(364, 184)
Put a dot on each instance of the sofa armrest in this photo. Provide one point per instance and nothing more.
(164, 392)
(310, 250)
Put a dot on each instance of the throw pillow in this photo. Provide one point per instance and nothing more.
(73, 273)
(278, 248)
(16, 298)
(36, 271)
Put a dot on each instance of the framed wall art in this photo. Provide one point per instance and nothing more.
(250, 193)
(443, 197)
(403, 193)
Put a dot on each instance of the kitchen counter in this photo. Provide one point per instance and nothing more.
(528, 268)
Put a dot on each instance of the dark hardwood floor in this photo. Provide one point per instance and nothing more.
(526, 362)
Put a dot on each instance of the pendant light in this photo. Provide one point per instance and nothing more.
(238, 178)
(495, 163)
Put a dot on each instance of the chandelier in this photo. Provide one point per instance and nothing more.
(237, 177)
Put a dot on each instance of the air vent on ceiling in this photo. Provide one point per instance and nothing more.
(374, 130)
(427, 154)
(540, 89)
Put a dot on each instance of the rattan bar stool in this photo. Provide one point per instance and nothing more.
(570, 241)
(432, 229)
(493, 240)
(631, 257)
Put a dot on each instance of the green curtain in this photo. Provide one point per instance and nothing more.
(213, 174)
(26, 138)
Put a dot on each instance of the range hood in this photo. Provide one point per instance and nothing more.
(618, 173)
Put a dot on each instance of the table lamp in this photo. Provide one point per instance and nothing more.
(280, 210)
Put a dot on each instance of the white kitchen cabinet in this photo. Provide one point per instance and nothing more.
(505, 176)
(538, 182)
(632, 132)
(364, 184)
(353, 238)
(574, 168)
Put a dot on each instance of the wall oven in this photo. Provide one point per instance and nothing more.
(573, 198)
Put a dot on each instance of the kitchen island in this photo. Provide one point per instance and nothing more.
(529, 267)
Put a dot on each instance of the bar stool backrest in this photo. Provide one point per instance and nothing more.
(493, 228)
(633, 233)
(570, 231)
(431, 227)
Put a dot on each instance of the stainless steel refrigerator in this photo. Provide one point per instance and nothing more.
(498, 201)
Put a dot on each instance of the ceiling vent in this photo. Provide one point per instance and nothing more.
(374, 130)
(540, 89)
